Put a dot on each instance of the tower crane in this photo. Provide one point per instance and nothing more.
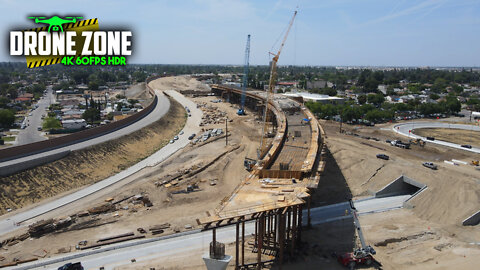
(271, 84)
(246, 65)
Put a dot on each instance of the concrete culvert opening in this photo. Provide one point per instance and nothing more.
(403, 185)
(472, 220)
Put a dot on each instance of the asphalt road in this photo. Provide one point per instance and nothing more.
(30, 134)
(167, 246)
(160, 110)
(404, 129)
(8, 224)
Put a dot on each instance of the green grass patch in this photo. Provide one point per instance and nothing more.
(8, 138)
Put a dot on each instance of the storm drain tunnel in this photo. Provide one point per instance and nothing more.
(403, 185)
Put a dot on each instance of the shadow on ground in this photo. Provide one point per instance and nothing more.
(333, 187)
(323, 242)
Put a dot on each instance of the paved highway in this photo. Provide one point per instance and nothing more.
(162, 107)
(30, 134)
(404, 129)
(164, 247)
(192, 126)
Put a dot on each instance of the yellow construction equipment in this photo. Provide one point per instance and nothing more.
(418, 142)
(271, 85)
(475, 162)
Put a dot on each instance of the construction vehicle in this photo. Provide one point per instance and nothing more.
(71, 266)
(241, 111)
(475, 162)
(417, 141)
(249, 163)
(361, 255)
(430, 165)
(400, 144)
(271, 85)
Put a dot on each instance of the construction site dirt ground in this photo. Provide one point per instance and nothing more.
(427, 236)
(457, 136)
(215, 182)
(430, 234)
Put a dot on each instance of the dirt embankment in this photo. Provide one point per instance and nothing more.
(83, 167)
(179, 83)
(213, 168)
(458, 136)
(427, 236)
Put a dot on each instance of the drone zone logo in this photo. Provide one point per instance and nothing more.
(70, 41)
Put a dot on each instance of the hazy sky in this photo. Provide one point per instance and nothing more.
(326, 32)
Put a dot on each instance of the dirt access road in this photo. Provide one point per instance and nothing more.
(429, 235)
(225, 172)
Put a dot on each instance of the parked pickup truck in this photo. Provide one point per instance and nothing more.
(400, 144)
(430, 165)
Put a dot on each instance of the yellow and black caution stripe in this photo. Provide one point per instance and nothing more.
(34, 61)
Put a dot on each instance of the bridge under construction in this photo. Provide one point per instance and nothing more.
(278, 188)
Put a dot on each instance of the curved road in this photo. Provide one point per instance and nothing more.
(404, 129)
(158, 112)
(8, 224)
(118, 255)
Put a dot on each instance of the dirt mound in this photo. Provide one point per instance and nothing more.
(82, 167)
(178, 83)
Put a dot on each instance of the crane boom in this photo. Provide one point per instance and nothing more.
(365, 250)
(246, 66)
(271, 85)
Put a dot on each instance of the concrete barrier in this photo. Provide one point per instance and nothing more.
(43, 146)
(14, 168)
(403, 185)
(472, 220)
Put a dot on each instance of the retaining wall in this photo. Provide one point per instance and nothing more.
(14, 168)
(472, 220)
(42, 146)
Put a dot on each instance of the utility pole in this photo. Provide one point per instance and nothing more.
(341, 121)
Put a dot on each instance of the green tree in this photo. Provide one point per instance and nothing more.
(434, 96)
(329, 91)
(362, 99)
(7, 118)
(93, 85)
(51, 123)
(91, 115)
(453, 105)
(439, 85)
(376, 99)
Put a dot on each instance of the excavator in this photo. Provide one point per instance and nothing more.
(418, 142)
(361, 255)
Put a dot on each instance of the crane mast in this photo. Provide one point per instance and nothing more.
(246, 66)
(271, 85)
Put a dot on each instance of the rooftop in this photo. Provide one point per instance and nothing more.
(310, 96)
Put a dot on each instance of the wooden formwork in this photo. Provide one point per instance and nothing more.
(275, 205)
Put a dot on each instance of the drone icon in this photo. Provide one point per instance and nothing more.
(55, 22)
